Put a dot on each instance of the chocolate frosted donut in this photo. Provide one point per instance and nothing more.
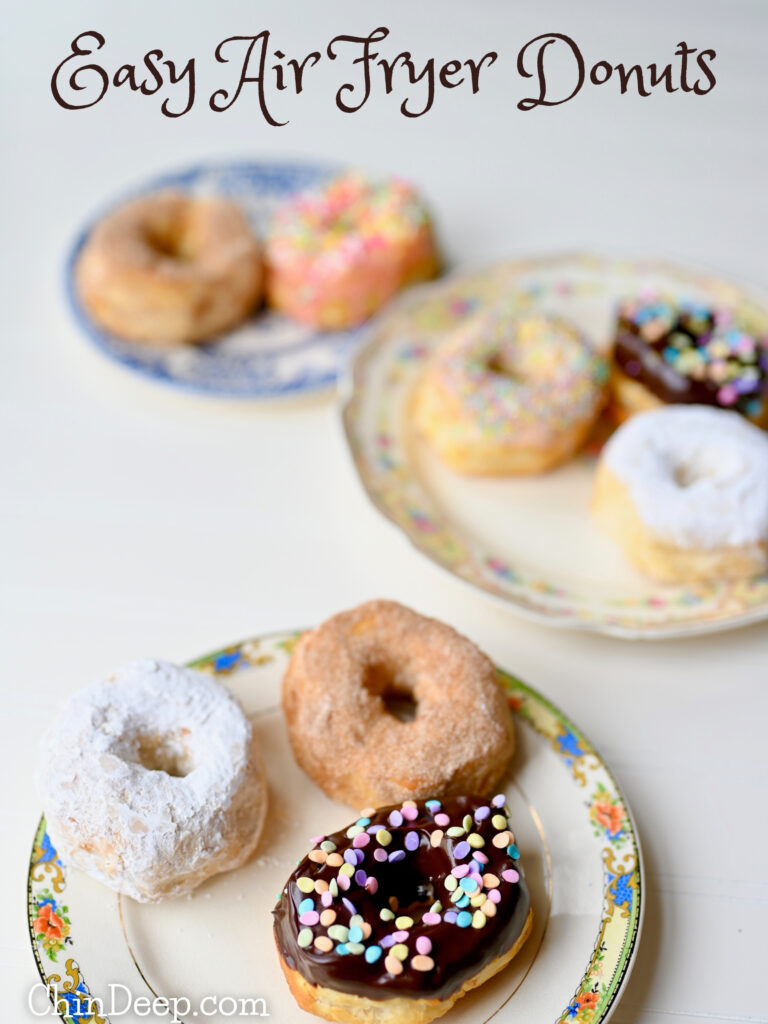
(683, 352)
(398, 916)
(341, 693)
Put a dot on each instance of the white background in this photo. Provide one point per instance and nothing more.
(140, 521)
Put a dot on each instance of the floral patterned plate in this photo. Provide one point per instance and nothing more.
(527, 541)
(266, 357)
(214, 948)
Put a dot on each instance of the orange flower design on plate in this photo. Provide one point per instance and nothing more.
(49, 924)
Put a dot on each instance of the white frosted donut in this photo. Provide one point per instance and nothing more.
(152, 781)
(684, 489)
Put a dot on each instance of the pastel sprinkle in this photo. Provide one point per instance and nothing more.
(383, 837)
(460, 870)
(379, 854)
(338, 932)
(490, 881)
(468, 884)
(475, 840)
(502, 839)
(316, 839)
(323, 943)
(346, 869)
(356, 921)
(318, 856)
(306, 905)
(355, 934)
(304, 938)
(386, 914)
(397, 855)
(356, 948)
(400, 935)
(513, 851)
(464, 901)
(361, 841)
(327, 898)
(333, 887)
(422, 963)
(354, 830)
(442, 820)
(362, 822)
(373, 953)
(412, 841)
(494, 896)
(436, 907)
(489, 908)
(328, 845)
(424, 944)
(455, 831)
(310, 918)
(461, 849)
(350, 906)
(321, 886)
(499, 800)
(341, 949)
(464, 919)
(480, 857)
(334, 860)
(399, 950)
(361, 877)
(450, 917)
(305, 884)
(431, 918)
(433, 805)
(404, 922)
(393, 965)
(451, 882)
(467, 822)
(510, 875)
(327, 918)
(343, 882)
(371, 885)
(437, 837)
(478, 919)
(499, 821)
(395, 818)
(410, 812)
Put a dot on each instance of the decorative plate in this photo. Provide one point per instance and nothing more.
(214, 948)
(528, 541)
(266, 357)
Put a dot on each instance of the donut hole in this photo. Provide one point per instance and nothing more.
(502, 364)
(710, 464)
(382, 680)
(168, 753)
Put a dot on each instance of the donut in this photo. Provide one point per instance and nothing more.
(152, 781)
(680, 352)
(343, 695)
(507, 395)
(170, 269)
(336, 254)
(684, 491)
(397, 917)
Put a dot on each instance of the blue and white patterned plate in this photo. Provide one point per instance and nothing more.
(269, 355)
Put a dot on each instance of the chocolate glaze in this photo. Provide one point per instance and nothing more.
(639, 353)
(417, 881)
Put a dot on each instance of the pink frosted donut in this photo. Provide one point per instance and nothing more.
(335, 255)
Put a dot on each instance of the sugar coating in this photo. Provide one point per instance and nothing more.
(698, 475)
(151, 780)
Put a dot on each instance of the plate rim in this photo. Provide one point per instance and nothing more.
(349, 390)
(225, 660)
(100, 340)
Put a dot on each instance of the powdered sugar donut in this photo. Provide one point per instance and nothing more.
(336, 254)
(338, 694)
(152, 781)
(684, 490)
(509, 394)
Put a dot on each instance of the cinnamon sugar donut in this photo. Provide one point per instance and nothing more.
(170, 268)
(152, 781)
(335, 694)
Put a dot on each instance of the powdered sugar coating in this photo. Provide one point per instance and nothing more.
(151, 780)
(698, 476)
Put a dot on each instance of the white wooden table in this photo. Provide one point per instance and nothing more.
(139, 521)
